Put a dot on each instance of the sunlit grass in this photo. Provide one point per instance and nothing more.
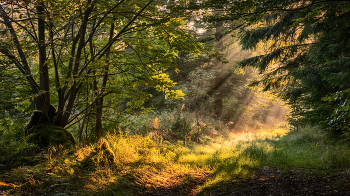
(309, 148)
(240, 154)
(138, 161)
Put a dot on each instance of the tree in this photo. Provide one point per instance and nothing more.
(77, 54)
(306, 57)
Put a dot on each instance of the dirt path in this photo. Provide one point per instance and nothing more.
(266, 181)
(269, 181)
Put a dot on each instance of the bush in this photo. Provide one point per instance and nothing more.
(11, 136)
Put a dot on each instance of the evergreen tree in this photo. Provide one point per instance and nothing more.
(306, 57)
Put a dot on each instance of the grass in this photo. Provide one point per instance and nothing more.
(136, 165)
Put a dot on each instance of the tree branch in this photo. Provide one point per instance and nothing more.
(101, 20)
(7, 22)
(113, 40)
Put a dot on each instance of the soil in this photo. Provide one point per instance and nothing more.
(271, 181)
(267, 181)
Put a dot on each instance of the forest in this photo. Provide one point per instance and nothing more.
(174, 97)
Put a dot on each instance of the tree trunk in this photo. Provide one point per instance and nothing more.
(42, 100)
(99, 103)
(74, 73)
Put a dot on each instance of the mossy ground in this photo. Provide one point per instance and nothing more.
(45, 135)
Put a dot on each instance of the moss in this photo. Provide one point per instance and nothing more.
(38, 117)
(46, 135)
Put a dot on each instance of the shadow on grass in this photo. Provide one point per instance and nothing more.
(240, 170)
(185, 187)
(307, 149)
(137, 178)
(232, 174)
(146, 183)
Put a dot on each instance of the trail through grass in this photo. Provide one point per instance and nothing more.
(136, 165)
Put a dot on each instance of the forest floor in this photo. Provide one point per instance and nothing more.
(265, 181)
(277, 163)
(271, 181)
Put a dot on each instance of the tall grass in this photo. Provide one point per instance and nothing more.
(146, 162)
(243, 153)
(235, 155)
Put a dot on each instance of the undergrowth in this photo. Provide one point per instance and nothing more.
(123, 164)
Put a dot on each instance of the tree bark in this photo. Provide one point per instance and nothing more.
(75, 87)
(43, 100)
(99, 104)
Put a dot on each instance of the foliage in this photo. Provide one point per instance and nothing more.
(89, 58)
(12, 126)
(242, 105)
(11, 135)
(340, 114)
(200, 82)
(305, 57)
